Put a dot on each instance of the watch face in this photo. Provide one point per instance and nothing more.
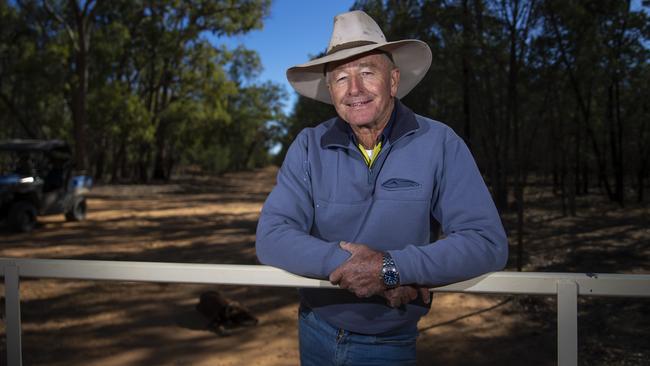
(391, 278)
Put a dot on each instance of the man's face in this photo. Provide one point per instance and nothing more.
(362, 89)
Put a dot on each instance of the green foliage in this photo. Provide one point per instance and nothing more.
(28, 71)
(553, 88)
(118, 115)
(144, 84)
(306, 113)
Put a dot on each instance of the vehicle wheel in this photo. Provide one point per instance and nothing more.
(22, 216)
(78, 210)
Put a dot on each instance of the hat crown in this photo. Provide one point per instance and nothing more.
(354, 29)
(355, 33)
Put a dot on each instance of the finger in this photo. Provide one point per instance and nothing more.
(403, 300)
(394, 302)
(409, 296)
(412, 295)
(362, 292)
(344, 283)
(335, 277)
(425, 294)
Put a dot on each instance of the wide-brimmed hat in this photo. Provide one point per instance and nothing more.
(356, 33)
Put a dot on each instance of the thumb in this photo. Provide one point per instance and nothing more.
(347, 246)
(335, 277)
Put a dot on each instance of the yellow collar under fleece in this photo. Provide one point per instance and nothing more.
(375, 151)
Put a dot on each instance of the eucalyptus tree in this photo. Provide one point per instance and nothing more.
(533, 86)
(29, 72)
(129, 83)
(170, 31)
(600, 50)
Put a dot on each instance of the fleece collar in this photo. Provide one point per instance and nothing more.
(402, 122)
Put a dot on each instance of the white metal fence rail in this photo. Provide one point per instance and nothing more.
(566, 286)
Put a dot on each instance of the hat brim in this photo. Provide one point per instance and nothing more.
(411, 56)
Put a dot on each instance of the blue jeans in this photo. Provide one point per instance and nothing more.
(322, 344)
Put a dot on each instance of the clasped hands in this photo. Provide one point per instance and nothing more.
(360, 275)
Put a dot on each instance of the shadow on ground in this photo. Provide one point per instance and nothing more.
(213, 220)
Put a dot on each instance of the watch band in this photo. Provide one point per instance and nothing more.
(387, 261)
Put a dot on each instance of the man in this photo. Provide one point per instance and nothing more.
(355, 197)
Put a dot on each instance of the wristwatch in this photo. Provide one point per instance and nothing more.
(389, 273)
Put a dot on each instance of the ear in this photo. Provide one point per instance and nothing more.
(394, 81)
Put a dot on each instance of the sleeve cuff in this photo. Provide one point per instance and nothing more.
(335, 259)
(401, 263)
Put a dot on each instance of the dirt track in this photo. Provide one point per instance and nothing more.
(212, 220)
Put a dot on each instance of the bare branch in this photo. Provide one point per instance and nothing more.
(50, 10)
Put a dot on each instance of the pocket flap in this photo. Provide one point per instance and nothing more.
(400, 183)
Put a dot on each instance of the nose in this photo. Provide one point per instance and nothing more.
(355, 86)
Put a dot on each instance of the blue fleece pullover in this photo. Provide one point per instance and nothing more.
(326, 194)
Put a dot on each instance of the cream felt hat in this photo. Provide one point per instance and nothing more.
(355, 33)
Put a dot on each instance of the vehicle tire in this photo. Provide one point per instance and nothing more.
(22, 216)
(78, 210)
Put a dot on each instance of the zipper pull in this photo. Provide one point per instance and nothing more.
(340, 335)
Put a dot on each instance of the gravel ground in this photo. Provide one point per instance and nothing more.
(213, 219)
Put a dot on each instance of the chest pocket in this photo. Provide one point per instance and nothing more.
(399, 184)
(401, 189)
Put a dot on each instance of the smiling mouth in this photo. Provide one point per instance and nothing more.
(359, 104)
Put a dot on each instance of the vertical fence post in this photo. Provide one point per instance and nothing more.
(567, 323)
(12, 315)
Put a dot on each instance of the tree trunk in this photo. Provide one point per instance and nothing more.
(161, 101)
(143, 163)
(640, 179)
(577, 158)
(563, 184)
(466, 75)
(79, 115)
(572, 193)
(82, 27)
(615, 140)
(116, 167)
(584, 104)
(100, 163)
(585, 177)
(159, 171)
(498, 131)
